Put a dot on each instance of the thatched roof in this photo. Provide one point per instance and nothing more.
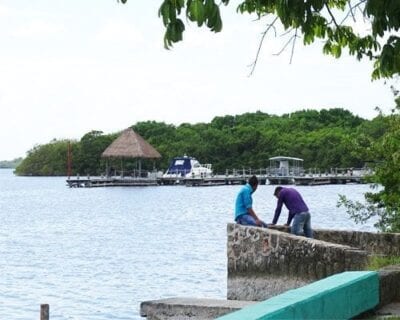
(130, 145)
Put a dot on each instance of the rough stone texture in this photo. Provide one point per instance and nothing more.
(375, 243)
(391, 309)
(185, 308)
(263, 262)
(389, 279)
(260, 287)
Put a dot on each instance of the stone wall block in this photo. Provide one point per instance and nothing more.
(389, 279)
(377, 243)
(320, 270)
(355, 259)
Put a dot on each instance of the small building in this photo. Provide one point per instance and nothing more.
(282, 170)
(130, 145)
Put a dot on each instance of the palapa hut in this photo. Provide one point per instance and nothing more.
(130, 145)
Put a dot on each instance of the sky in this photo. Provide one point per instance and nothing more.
(68, 67)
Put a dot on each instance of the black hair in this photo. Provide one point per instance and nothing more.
(253, 181)
(277, 190)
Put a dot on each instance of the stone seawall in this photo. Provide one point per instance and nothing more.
(263, 262)
(374, 243)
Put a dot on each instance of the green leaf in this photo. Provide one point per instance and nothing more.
(336, 51)
(317, 4)
(217, 27)
(164, 12)
(209, 6)
(172, 13)
(196, 12)
(213, 17)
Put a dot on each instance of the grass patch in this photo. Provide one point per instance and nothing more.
(377, 262)
(385, 318)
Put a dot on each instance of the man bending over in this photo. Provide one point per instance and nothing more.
(298, 211)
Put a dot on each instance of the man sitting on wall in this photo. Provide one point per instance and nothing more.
(298, 211)
(244, 213)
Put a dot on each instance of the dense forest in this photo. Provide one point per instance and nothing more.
(325, 139)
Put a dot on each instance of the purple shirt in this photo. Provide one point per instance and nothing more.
(293, 202)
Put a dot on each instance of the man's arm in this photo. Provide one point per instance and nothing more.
(278, 210)
(290, 218)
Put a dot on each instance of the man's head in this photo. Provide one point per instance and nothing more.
(253, 182)
(277, 191)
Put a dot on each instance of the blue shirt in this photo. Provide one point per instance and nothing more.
(293, 202)
(244, 201)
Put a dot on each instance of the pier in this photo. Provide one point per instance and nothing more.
(188, 171)
(217, 180)
(231, 177)
(89, 182)
(322, 180)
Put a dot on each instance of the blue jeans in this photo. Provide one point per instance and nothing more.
(302, 225)
(248, 220)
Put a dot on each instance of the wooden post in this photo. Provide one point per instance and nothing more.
(69, 160)
(44, 312)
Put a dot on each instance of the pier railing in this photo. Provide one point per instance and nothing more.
(273, 176)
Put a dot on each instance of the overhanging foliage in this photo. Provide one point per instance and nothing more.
(331, 21)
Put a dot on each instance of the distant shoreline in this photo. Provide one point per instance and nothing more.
(10, 164)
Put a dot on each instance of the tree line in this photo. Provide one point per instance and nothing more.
(329, 138)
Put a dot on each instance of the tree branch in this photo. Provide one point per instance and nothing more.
(352, 9)
(292, 38)
(293, 45)
(332, 16)
(253, 65)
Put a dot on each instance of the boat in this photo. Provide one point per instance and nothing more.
(187, 167)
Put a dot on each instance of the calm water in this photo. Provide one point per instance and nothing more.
(97, 253)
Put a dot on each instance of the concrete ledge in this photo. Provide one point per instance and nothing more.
(389, 281)
(341, 296)
(184, 308)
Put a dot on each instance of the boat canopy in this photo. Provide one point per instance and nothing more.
(180, 165)
(285, 166)
(280, 158)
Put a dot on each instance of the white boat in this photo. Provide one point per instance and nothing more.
(187, 167)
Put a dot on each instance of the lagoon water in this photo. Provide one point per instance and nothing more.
(96, 253)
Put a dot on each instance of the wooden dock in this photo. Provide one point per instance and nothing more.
(323, 180)
(220, 181)
(78, 182)
(110, 182)
(281, 180)
(216, 180)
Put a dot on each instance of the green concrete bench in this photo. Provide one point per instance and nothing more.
(341, 296)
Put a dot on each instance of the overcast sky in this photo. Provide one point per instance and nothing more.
(69, 66)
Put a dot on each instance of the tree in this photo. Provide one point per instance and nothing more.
(45, 160)
(87, 157)
(331, 21)
(384, 203)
